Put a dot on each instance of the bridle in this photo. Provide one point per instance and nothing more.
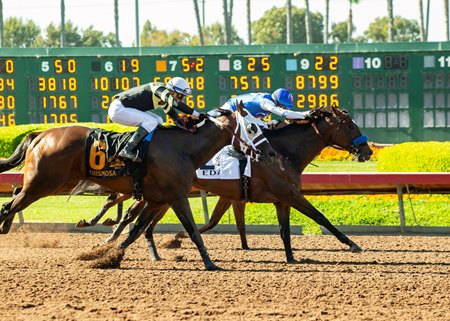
(353, 148)
(248, 149)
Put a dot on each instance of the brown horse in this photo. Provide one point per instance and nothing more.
(298, 145)
(55, 161)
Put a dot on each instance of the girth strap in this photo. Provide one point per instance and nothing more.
(245, 181)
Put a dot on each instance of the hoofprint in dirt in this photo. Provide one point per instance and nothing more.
(396, 278)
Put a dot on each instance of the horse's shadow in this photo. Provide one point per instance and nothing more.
(344, 250)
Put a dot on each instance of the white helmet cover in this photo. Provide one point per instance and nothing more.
(179, 85)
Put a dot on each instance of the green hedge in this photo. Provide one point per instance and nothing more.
(415, 157)
(10, 137)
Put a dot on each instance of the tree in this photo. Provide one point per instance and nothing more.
(289, 28)
(271, 27)
(151, 36)
(339, 31)
(199, 25)
(326, 22)
(421, 24)
(390, 19)
(249, 22)
(307, 22)
(227, 17)
(215, 35)
(53, 33)
(21, 34)
(95, 38)
(350, 19)
(446, 20)
(116, 23)
(405, 30)
(1, 23)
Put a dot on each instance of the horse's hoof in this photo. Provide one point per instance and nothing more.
(109, 240)
(155, 258)
(355, 248)
(182, 235)
(82, 223)
(109, 222)
(213, 267)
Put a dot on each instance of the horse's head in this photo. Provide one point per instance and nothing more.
(246, 135)
(340, 131)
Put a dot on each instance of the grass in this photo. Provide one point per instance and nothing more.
(426, 210)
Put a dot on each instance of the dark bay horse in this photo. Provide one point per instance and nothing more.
(55, 161)
(298, 145)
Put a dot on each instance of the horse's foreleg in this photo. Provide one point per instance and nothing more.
(21, 200)
(6, 222)
(114, 201)
(142, 222)
(239, 212)
(302, 205)
(149, 233)
(132, 212)
(283, 215)
(223, 204)
(6, 225)
(183, 211)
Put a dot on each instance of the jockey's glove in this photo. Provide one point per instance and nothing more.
(202, 116)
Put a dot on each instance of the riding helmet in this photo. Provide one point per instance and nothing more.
(179, 85)
(283, 97)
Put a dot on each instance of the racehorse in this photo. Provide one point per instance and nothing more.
(55, 161)
(298, 145)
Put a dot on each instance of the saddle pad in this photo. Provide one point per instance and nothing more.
(102, 148)
(223, 166)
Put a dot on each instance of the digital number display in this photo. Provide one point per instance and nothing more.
(394, 92)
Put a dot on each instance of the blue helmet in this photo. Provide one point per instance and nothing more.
(283, 97)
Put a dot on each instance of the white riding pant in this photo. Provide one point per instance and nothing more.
(120, 114)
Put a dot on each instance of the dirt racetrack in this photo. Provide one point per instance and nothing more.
(396, 278)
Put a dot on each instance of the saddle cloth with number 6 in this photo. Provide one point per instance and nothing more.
(102, 148)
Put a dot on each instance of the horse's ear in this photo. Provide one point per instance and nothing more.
(240, 108)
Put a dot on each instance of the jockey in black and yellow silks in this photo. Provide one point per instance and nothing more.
(131, 108)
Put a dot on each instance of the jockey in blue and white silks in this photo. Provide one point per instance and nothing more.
(261, 105)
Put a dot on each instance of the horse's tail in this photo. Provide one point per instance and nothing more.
(18, 155)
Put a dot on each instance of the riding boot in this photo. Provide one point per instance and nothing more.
(129, 150)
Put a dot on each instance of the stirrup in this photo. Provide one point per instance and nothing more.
(133, 157)
(236, 153)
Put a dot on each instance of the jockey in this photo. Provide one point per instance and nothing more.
(260, 105)
(130, 108)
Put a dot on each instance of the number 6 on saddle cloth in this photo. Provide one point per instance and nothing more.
(102, 159)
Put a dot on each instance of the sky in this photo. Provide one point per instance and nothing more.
(179, 14)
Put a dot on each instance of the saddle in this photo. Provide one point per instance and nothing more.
(102, 161)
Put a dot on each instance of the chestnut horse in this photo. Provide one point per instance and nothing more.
(298, 145)
(55, 161)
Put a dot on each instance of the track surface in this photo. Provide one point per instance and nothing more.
(396, 278)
